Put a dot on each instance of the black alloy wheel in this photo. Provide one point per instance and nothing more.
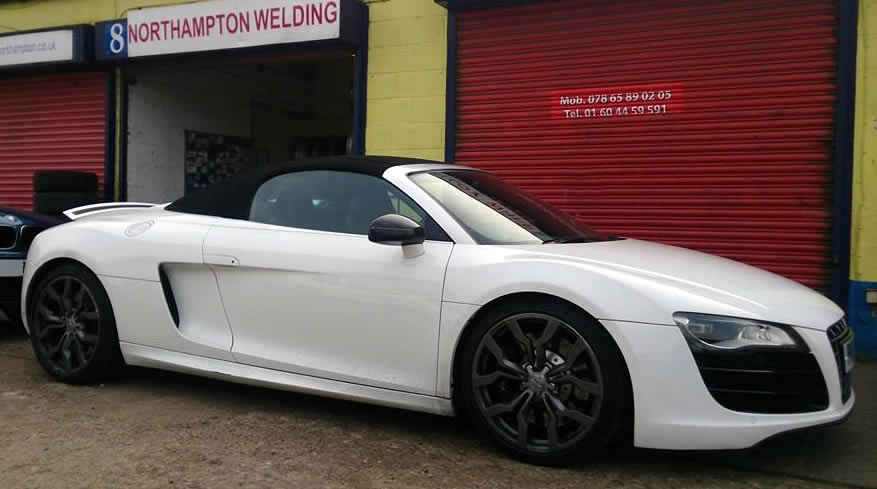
(541, 387)
(67, 324)
(72, 327)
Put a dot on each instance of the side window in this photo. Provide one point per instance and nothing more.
(341, 202)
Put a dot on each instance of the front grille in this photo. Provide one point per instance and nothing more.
(838, 334)
(764, 381)
(7, 237)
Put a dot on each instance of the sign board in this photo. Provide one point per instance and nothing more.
(37, 47)
(221, 24)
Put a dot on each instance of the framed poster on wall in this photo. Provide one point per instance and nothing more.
(214, 157)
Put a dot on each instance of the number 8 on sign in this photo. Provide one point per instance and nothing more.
(117, 42)
(115, 39)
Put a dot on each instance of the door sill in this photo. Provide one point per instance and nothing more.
(147, 356)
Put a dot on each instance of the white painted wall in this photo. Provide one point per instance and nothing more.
(161, 106)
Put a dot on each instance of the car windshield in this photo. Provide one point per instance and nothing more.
(494, 212)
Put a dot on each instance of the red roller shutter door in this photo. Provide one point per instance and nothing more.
(735, 158)
(50, 122)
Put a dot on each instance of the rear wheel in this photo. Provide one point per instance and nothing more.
(73, 331)
(544, 381)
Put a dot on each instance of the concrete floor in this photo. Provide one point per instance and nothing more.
(158, 429)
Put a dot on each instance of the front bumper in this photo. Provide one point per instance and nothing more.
(11, 267)
(674, 410)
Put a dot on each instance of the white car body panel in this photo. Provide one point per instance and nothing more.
(638, 281)
(336, 315)
(308, 317)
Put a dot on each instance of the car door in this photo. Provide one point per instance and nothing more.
(306, 291)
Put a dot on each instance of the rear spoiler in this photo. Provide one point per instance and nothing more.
(91, 209)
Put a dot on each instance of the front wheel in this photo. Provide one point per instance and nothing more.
(544, 381)
(72, 328)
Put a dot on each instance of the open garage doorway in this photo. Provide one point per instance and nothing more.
(193, 123)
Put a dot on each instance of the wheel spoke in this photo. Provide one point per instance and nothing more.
(578, 416)
(52, 351)
(80, 353)
(46, 313)
(562, 411)
(65, 345)
(503, 407)
(577, 349)
(47, 329)
(53, 294)
(550, 424)
(479, 380)
(515, 328)
(66, 354)
(65, 295)
(67, 359)
(584, 385)
(539, 344)
(523, 419)
(90, 315)
(90, 339)
(80, 295)
(503, 362)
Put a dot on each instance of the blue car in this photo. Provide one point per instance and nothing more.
(17, 230)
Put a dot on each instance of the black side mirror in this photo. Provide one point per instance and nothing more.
(393, 229)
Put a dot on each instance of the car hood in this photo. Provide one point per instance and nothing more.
(31, 218)
(700, 282)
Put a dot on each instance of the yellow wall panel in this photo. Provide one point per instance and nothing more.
(406, 78)
(863, 259)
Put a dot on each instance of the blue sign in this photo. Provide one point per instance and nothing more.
(111, 39)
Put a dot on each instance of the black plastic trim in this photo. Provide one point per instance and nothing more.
(775, 382)
(838, 334)
(169, 296)
(111, 207)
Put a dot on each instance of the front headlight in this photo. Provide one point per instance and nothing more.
(722, 333)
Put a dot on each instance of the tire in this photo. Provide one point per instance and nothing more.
(80, 328)
(54, 203)
(65, 181)
(536, 384)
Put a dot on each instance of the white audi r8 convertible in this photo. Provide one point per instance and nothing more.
(438, 288)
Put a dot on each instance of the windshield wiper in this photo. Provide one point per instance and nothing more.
(569, 239)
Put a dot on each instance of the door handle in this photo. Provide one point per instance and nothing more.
(221, 260)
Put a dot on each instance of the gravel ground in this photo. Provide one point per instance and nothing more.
(158, 429)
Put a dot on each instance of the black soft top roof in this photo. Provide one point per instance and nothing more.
(233, 196)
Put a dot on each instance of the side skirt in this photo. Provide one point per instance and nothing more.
(145, 356)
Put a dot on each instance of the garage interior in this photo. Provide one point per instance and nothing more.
(195, 122)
